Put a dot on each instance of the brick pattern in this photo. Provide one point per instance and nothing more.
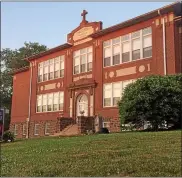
(86, 123)
(64, 122)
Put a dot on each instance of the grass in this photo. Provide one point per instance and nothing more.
(123, 154)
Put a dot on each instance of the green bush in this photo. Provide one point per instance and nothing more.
(155, 99)
(8, 136)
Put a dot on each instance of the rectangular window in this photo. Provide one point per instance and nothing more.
(51, 69)
(56, 102)
(36, 129)
(112, 92)
(16, 129)
(61, 100)
(39, 103)
(107, 57)
(82, 60)
(40, 72)
(116, 54)
(116, 93)
(50, 102)
(125, 52)
(107, 94)
(24, 131)
(62, 66)
(44, 103)
(147, 46)
(47, 128)
(129, 47)
(136, 49)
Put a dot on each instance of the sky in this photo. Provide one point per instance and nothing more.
(48, 23)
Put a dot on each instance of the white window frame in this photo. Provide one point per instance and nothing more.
(52, 102)
(47, 127)
(24, 130)
(79, 56)
(141, 37)
(16, 129)
(35, 129)
(112, 91)
(60, 59)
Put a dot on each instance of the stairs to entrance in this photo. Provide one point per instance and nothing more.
(68, 131)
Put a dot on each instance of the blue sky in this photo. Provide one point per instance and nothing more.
(49, 22)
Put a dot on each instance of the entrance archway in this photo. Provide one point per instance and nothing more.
(82, 105)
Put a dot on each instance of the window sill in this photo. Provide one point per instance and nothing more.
(48, 112)
(50, 80)
(128, 62)
(75, 75)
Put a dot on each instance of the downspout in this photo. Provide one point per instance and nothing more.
(164, 43)
(29, 105)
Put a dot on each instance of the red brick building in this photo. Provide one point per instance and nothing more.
(87, 74)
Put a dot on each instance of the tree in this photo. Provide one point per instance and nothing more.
(12, 60)
(155, 99)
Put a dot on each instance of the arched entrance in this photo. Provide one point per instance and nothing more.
(82, 105)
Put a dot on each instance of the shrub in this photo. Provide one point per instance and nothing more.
(8, 136)
(155, 99)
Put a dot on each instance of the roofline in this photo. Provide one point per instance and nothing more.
(163, 10)
(16, 71)
(49, 51)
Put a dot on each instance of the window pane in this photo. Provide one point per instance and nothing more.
(51, 75)
(62, 73)
(50, 102)
(125, 37)
(147, 52)
(83, 68)
(76, 69)
(89, 67)
(125, 47)
(76, 61)
(107, 52)
(89, 49)
(116, 59)
(82, 51)
(115, 101)
(90, 57)
(83, 59)
(147, 41)
(147, 30)
(40, 71)
(126, 57)
(116, 49)
(136, 54)
(56, 74)
(135, 34)
(40, 78)
(61, 64)
(107, 101)
(136, 44)
(116, 41)
(57, 67)
(45, 77)
(107, 61)
(107, 43)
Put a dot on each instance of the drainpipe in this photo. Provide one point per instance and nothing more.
(29, 105)
(164, 43)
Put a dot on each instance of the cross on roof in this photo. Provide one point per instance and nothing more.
(84, 13)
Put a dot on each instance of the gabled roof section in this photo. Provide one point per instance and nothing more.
(175, 7)
(49, 51)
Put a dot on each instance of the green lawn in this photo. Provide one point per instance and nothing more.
(122, 154)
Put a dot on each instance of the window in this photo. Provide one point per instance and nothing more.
(47, 128)
(16, 129)
(82, 60)
(147, 42)
(107, 94)
(129, 47)
(39, 103)
(113, 92)
(51, 69)
(36, 129)
(50, 102)
(24, 129)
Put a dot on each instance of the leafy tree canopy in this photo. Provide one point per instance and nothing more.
(155, 99)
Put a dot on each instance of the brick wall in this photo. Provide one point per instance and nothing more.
(86, 123)
(64, 122)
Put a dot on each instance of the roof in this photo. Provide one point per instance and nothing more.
(22, 69)
(175, 7)
(49, 51)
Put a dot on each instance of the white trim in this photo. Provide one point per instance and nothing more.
(16, 129)
(24, 129)
(35, 129)
(47, 126)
